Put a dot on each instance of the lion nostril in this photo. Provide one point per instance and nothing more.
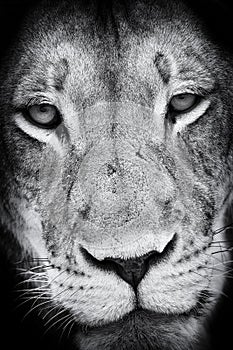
(132, 270)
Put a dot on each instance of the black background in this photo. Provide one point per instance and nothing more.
(13, 334)
(216, 13)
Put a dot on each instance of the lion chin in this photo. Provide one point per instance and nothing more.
(116, 148)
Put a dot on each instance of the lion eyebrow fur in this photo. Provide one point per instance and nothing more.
(163, 66)
(61, 71)
(50, 74)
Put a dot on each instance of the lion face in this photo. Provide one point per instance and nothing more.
(116, 140)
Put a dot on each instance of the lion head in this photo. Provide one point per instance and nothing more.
(116, 148)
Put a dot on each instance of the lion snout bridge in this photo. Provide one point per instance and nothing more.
(132, 270)
(116, 194)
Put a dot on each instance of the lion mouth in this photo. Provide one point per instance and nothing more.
(197, 310)
(142, 329)
(144, 319)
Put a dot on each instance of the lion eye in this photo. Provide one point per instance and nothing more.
(183, 102)
(44, 115)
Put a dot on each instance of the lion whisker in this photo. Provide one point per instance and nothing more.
(55, 307)
(32, 280)
(30, 292)
(223, 251)
(27, 300)
(223, 228)
(54, 316)
(53, 324)
(65, 327)
(72, 325)
(36, 307)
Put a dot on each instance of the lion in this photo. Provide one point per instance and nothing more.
(116, 176)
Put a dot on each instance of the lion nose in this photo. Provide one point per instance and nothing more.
(132, 270)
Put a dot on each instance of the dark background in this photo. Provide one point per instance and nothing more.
(17, 335)
(216, 13)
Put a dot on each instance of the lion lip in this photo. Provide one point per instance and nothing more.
(141, 316)
(203, 298)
